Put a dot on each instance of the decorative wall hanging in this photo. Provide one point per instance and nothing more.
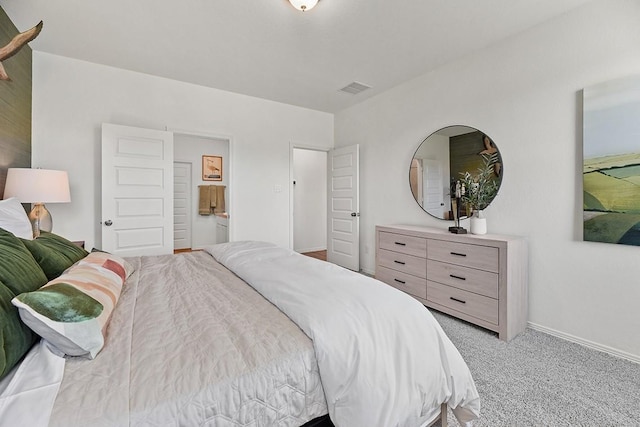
(15, 106)
(611, 162)
(211, 168)
(15, 45)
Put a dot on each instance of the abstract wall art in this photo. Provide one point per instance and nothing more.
(611, 162)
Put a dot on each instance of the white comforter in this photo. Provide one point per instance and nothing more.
(31, 384)
(383, 358)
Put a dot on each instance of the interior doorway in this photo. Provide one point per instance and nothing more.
(309, 200)
(208, 226)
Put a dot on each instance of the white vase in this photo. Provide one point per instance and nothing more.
(478, 223)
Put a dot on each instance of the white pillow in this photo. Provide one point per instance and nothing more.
(14, 219)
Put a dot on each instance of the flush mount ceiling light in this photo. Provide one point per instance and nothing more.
(303, 5)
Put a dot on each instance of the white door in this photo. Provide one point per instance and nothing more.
(137, 191)
(432, 187)
(343, 218)
(181, 205)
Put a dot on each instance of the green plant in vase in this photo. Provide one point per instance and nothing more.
(481, 188)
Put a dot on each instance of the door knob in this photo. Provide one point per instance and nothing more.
(355, 214)
(108, 223)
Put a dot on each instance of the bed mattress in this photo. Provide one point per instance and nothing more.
(192, 344)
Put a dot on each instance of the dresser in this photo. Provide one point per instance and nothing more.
(479, 278)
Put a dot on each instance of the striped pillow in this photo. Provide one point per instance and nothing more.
(72, 311)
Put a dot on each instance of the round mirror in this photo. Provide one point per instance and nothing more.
(454, 155)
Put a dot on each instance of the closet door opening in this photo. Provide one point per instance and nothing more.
(182, 206)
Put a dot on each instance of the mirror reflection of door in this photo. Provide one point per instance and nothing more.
(433, 197)
(415, 180)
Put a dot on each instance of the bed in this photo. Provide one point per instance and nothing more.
(243, 333)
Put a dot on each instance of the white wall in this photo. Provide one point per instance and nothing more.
(190, 149)
(525, 93)
(310, 200)
(72, 98)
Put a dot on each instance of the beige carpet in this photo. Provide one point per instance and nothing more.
(540, 380)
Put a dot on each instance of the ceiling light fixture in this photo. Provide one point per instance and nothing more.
(303, 5)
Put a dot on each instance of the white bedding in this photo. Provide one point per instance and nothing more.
(32, 384)
(383, 359)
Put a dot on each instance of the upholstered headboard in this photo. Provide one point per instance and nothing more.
(15, 105)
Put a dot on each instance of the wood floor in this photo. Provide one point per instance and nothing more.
(317, 254)
(180, 251)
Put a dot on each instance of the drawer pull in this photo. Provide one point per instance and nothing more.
(458, 254)
(400, 262)
(400, 281)
(400, 244)
(458, 300)
(457, 277)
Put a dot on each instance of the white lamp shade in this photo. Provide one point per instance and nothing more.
(37, 185)
(303, 5)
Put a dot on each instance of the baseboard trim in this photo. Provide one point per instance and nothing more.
(586, 343)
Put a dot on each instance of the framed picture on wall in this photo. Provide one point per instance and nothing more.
(611, 162)
(211, 168)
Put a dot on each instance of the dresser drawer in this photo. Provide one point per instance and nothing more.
(475, 305)
(409, 264)
(469, 279)
(475, 256)
(405, 282)
(416, 246)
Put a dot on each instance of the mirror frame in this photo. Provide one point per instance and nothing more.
(469, 145)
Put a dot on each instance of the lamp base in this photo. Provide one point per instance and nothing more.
(40, 219)
(457, 230)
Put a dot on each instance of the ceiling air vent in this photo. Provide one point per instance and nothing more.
(355, 88)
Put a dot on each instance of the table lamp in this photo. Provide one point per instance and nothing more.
(38, 186)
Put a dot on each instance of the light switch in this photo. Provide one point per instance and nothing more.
(277, 188)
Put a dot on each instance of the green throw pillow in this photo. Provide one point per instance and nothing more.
(15, 337)
(53, 253)
(19, 271)
(62, 302)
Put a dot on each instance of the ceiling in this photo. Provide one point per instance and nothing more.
(268, 49)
